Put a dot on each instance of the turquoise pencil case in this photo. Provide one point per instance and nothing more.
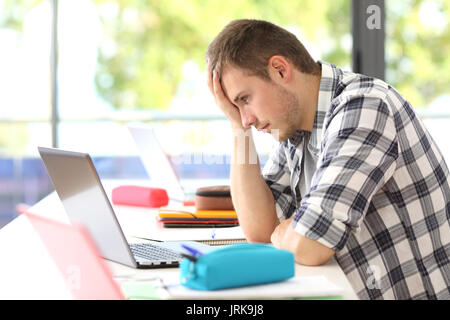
(236, 266)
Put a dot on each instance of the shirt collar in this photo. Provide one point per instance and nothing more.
(331, 76)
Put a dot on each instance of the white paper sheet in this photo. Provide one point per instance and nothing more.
(296, 287)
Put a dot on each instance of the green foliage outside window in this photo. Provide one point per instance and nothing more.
(417, 48)
(153, 39)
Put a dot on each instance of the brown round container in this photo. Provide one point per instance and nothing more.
(213, 198)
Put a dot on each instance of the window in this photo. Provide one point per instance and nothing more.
(131, 61)
(417, 60)
(417, 46)
(24, 102)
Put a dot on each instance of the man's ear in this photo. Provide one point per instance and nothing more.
(280, 69)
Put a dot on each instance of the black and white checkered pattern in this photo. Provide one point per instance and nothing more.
(380, 195)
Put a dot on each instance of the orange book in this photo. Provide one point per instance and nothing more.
(197, 214)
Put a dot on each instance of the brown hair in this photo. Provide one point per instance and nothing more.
(249, 44)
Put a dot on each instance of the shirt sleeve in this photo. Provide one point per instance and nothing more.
(358, 156)
(277, 177)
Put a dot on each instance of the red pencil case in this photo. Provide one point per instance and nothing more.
(140, 196)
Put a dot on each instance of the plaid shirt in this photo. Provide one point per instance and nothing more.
(380, 194)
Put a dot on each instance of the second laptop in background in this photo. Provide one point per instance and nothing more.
(157, 164)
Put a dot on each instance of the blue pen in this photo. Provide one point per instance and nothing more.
(193, 251)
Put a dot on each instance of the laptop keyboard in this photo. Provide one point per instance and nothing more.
(148, 251)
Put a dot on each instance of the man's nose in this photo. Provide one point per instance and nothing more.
(248, 119)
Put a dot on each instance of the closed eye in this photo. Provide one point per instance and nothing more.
(244, 99)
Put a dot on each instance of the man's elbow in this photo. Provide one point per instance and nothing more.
(310, 252)
(312, 259)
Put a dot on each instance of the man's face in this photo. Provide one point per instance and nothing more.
(263, 104)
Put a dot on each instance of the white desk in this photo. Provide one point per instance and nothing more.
(28, 272)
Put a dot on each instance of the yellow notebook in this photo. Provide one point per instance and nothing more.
(197, 214)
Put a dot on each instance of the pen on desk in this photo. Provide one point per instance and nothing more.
(193, 251)
(189, 257)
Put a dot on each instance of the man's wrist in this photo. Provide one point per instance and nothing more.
(244, 152)
(237, 126)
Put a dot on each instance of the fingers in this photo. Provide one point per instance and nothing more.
(217, 87)
(214, 85)
(222, 101)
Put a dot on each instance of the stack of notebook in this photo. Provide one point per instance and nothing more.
(198, 218)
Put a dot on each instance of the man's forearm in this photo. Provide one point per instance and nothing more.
(252, 198)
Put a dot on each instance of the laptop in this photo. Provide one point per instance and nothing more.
(157, 164)
(72, 249)
(78, 185)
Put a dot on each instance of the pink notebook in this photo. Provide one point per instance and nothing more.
(77, 257)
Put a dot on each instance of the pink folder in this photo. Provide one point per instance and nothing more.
(77, 257)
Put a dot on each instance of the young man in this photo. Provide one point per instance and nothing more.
(356, 174)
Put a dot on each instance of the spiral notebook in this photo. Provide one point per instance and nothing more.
(149, 228)
(210, 236)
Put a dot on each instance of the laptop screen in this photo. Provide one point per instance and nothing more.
(156, 162)
(74, 252)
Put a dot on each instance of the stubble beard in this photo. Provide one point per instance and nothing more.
(291, 117)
